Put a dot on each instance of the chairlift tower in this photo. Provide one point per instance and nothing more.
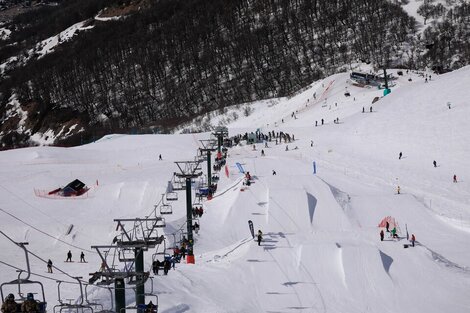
(188, 171)
(220, 132)
(208, 146)
(139, 238)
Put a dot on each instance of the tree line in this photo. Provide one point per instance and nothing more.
(177, 59)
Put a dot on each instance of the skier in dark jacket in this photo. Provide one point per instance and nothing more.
(69, 256)
(260, 237)
(381, 235)
(49, 266)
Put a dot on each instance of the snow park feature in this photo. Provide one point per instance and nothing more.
(76, 188)
(320, 248)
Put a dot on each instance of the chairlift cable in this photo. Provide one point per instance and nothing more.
(32, 273)
(44, 233)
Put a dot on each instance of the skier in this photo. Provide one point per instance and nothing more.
(159, 157)
(30, 305)
(274, 172)
(413, 239)
(316, 123)
(398, 190)
(370, 109)
(287, 148)
(262, 152)
(69, 256)
(260, 237)
(311, 143)
(455, 178)
(9, 306)
(322, 121)
(381, 235)
(434, 163)
(387, 226)
(400, 155)
(49, 266)
(82, 257)
(363, 110)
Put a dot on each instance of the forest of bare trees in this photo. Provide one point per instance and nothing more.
(180, 58)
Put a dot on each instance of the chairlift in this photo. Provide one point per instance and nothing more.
(95, 304)
(171, 196)
(160, 222)
(166, 209)
(70, 307)
(126, 255)
(138, 278)
(20, 282)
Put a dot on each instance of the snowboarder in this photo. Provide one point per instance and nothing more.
(398, 190)
(382, 235)
(274, 172)
(30, 305)
(82, 257)
(434, 163)
(49, 266)
(400, 155)
(260, 237)
(9, 306)
(455, 178)
(69, 256)
(413, 239)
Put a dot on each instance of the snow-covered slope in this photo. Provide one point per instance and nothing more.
(321, 250)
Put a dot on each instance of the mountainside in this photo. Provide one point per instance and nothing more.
(321, 250)
(147, 66)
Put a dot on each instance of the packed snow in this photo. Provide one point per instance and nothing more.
(321, 250)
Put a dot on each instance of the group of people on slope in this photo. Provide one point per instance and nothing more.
(394, 234)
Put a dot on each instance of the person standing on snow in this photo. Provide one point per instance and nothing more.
(398, 190)
(382, 235)
(400, 155)
(259, 237)
(434, 163)
(413, 239)
(82, 257)
(387, 226)
(69, 256)
(455, 178)
(49, 266)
